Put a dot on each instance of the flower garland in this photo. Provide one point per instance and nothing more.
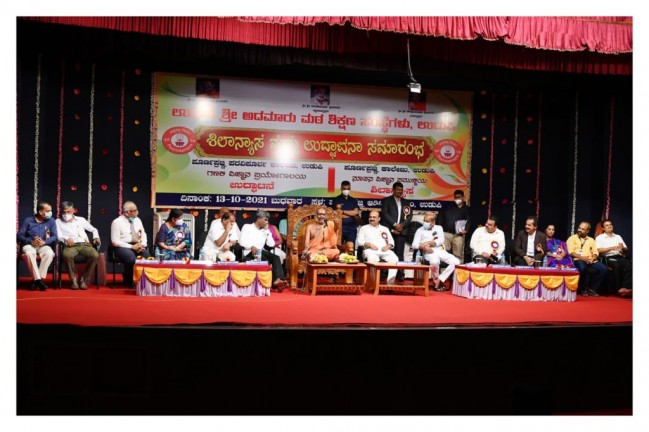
(575, 163)
(206, 214)
(491, 154)
(610, 158)
(538, 156)
(121, 142)
(91, 139)
(37, 128)
(515, 167)
(60, 156)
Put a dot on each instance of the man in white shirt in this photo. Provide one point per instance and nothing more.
(128, 238)
(429, 239)
(256, 235)
(614, 249)
(488, 242)
(72, 233)
(223, 234)
(378, 244)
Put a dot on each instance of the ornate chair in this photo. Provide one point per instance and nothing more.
(298, 220)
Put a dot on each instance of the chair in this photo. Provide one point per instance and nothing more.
(79, 259)
(114, 260)
(200, 241)
(20, 256)
(298, 220)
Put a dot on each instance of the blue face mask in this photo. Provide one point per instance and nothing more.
(427, 225)
(131, 219)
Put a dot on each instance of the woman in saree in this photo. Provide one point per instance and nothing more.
(557, 254)
(174, 239)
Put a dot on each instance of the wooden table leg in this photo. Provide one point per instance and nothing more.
(314, 280)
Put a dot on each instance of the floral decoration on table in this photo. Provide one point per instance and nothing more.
(347, 258)
(318, 259)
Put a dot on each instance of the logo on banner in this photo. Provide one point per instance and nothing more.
(447, 151)
(179, 140)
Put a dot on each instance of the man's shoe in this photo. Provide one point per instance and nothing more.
(401, 279)
(446, 285)
(592, 293)
(33, 286)
(83, 285)
(279, 285)
(41, 285)
(584, 293)
(75, 284)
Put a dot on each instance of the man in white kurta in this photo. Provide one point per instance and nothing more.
(429, 239)
(377, 244)
(222, 236)
(488, 241)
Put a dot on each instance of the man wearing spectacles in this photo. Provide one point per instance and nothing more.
(129, 239)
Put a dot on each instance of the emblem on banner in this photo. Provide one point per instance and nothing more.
(179, 140)
(447, 151)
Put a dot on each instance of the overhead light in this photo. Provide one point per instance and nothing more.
(413, 85)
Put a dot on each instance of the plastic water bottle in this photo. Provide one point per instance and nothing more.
(201, 254)
(545, 260)
(258, 255)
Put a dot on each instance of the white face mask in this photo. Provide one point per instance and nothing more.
(427, 225)
(67, 217)
(346, 192)
(179, 222)
(47, 215)
(458, 201)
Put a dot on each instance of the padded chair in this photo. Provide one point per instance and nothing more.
(20, 256)
(79, 262)
(298, 220)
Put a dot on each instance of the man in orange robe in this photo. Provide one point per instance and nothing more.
(321, 237)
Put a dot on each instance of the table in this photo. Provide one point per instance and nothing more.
(515, 283)
(201, 279)
(421, 275)
(360, 274)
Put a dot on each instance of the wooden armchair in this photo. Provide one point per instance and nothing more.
(298, 220)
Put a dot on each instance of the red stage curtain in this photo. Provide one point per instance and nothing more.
(565, 44)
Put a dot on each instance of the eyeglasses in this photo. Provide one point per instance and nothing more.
(132, 211)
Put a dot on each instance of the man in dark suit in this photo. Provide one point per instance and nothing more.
(530, 244)
(396, 214)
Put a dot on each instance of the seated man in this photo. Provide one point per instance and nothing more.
(377, 244)
(37, 235)
(220, 239)
(72, 232)
(254, 236)
(429, 239)
(128, 237)
(583, 251)
(488, 242)
(530, 244)
(321, 237)
(614, 249)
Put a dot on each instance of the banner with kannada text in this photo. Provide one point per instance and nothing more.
(263, 144)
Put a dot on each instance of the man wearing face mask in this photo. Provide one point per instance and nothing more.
(129, 240)
(38, 235)
(429, 239)
(456, 223)
(72, 232)
(349, 206)
(321, 237)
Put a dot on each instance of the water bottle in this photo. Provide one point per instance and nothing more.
(258, 255)
(201, 254)
(545, 260)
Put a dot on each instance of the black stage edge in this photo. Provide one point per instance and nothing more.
(68, 370)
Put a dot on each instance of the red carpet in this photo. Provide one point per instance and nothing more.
(121, 307)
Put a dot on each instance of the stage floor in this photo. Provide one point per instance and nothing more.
(121, 307)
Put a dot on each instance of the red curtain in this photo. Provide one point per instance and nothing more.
(594, 37)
